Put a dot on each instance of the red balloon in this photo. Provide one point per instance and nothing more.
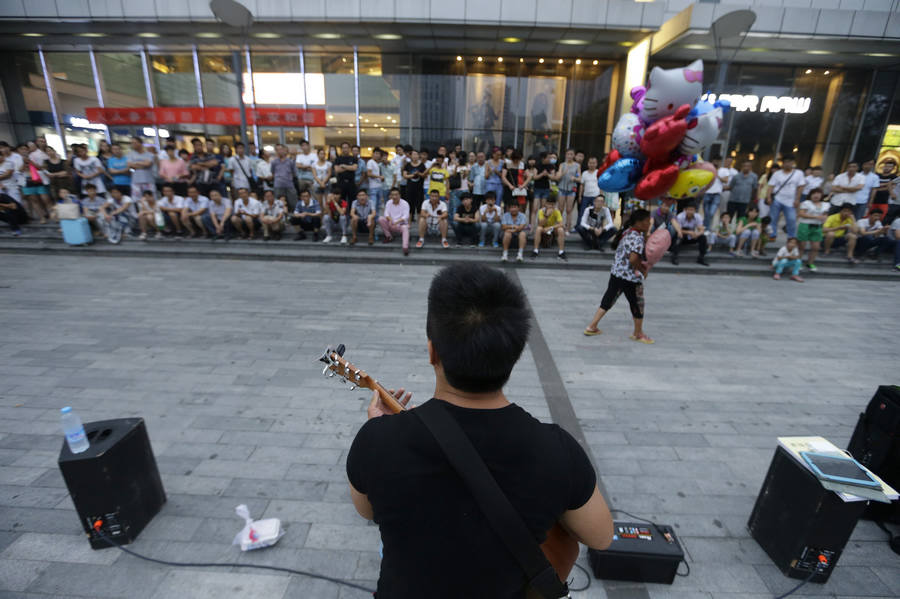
(663, 136)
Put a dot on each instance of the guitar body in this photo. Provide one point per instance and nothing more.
(560, 548)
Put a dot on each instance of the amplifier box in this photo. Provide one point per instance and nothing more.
(115, 480)
(640, 552)
(796, 520)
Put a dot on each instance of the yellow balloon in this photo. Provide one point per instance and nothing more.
(690, 182)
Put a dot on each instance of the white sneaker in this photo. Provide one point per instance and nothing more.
(327, 239)
(143, 237)
(343, 239)
(520, 257)
(504, 257)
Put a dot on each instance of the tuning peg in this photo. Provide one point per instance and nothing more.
(331, 374)
(325, 370)
(352, 387)
(340, 350)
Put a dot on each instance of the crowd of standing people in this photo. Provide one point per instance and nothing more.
(497, 199)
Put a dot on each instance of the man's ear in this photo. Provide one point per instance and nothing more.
(432, 355)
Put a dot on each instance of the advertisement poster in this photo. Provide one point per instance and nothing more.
(485, 95)
(544, 108)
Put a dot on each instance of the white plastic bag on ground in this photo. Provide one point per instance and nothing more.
(257, 534)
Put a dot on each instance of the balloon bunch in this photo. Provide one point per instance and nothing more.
(657, 144)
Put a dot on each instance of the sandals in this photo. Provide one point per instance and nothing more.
(590, 333)
(642, 338)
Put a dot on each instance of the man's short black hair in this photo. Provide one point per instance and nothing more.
(465, 196)
(90, 186)
(478, 324)
(490, 194)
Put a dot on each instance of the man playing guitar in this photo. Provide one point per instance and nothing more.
(437, 543)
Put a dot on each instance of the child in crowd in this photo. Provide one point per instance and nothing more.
(92, 208)
(788, 257)
(813, 213)
(724, 235)
(764, 236)
(627, 275)
(119, 215)
(149, 216)
(748, 229)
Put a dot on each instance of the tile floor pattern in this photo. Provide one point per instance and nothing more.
(218, 357)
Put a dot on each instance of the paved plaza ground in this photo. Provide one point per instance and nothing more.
(218, 356)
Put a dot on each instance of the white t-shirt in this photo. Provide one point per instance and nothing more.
(199, 204)
(374, 170)
(785, 254)
(433, 213)
(322, 170)
(865, 227)
(88, 165)
(784, 186)
(306, 160)
(716, 186)
(589, 184)
(175, 202)
(397, 163)
(498, 213)
(842, 180)
(727, 174)
(126, 201)
(253, 207)
(220, 208)
(870, 180)
(10, 186)
(40, 158)
(813, 182)
(811, 209)
(238, 178)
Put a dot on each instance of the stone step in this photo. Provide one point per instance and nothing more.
(392, 254)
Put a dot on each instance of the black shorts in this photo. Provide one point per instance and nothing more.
(634, 293)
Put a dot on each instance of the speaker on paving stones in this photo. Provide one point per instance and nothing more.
(796, 520)
(115, 480)
(639, 552)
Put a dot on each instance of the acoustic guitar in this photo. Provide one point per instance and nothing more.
(560, 548)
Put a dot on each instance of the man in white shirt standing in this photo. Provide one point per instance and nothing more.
(375, 180)
(785, 187)
(725, 173)
(241, 168)
(713, 196)
(864, 195)
(845, 187)
(397, 163)
(141, 161)
(306, 160)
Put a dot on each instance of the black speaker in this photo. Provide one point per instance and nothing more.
(796, 520)
(115, 480)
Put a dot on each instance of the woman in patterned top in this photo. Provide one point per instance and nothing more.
(627, 275)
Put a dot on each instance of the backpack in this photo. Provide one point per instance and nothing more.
(876, 444)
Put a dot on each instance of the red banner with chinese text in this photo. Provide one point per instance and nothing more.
(211, 115)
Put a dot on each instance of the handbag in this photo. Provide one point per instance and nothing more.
(68, 211)
(34, 177)
(505, 520)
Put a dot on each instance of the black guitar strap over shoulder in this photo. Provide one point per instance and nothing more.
(504, 518)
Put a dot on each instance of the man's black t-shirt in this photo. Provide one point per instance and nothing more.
(464, 212)
(543, 182)
(346, 176)
(418, 181)
(437, 543)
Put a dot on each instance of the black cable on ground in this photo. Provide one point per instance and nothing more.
(797, 588)
(218, 565)
(587, 585)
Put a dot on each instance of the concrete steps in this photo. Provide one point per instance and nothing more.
(46, 239)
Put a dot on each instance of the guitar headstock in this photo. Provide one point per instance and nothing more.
(336, 365)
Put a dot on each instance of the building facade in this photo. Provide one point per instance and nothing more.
(817, 78)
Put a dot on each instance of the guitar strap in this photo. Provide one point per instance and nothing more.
(504, 518)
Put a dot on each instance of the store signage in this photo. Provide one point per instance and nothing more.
(82, 123)
(210, 115)
(751, 103)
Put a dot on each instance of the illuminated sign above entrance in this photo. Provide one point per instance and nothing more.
(751, 103)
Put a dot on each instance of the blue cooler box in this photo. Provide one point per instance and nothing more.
(77, 231)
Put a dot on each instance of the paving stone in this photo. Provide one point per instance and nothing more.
(57, 548)
(215, 585)
(131, 579)
(17, 574)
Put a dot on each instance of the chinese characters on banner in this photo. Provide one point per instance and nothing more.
(211, 115)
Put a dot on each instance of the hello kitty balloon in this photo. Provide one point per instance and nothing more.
(626, 137)
(667, 89)
(704, 122)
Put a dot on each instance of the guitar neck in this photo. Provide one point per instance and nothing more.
(387, 399)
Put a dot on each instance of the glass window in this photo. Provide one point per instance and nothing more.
(172, 76)
(877, 112)
(217, 78)
(330, 85)
(590, 111)
(73, 82)
(383, 100)
(122, 78)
